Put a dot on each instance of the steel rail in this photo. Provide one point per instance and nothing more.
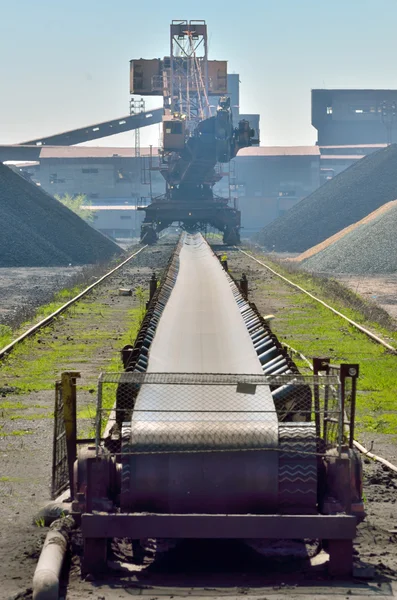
(35, 328)
(368, 333)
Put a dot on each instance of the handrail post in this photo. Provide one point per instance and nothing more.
(69, 398)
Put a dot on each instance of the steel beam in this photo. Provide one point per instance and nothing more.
(99, 130)
(150, 525)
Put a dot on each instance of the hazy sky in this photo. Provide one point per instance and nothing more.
(65, 63)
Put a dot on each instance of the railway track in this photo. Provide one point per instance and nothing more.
(50, 318)
(211, 370)
(357, 326)
(375, 338)
(214, 432)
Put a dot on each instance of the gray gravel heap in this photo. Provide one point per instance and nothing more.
(38, 231)
(369, 249)
(345, 199)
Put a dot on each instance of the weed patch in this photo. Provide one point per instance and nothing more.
(313, 330)
(16, 432)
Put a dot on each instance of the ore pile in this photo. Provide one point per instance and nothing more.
(349, 197)
(337, 236)
(370, 248)
(38, 231)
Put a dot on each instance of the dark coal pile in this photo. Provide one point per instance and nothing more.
(347, 198)
(38, 231)
(370, 249)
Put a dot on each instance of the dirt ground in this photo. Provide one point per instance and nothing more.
(29, 287)
(375, 544)
(379, 289)
(26, 424)
(199, 570)
(234, 569)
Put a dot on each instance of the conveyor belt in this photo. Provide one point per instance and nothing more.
(201, 331)
(187, 448)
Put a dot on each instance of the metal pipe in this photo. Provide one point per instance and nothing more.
(48, 570)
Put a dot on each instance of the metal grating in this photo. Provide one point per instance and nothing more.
(195, 412)
(60, 472)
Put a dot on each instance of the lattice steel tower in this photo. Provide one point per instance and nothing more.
(187, 86)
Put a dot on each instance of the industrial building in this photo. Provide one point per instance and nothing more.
(265, 181)
(272, 179)
(354, 117)
(262, 182)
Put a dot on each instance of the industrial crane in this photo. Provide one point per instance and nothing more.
(196, 134)
(194, 139)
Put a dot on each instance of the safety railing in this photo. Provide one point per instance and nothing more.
(190, 412)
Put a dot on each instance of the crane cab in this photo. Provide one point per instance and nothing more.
(174, 129)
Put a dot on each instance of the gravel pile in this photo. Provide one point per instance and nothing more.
(349, 197)
(370, 248)
(337, 236)
(38, 231)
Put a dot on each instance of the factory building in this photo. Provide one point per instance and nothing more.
(272, 179)
(354, 117)
(262, 182)
(114, 181)
(233, 88)
(100, 173)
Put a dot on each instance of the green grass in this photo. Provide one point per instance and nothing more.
(341, 298)
(6, 336)
(60, 299)
(34, 367)
(135, 318)
(313, 330)
(34, 417)
(16, 432)
(38, 361)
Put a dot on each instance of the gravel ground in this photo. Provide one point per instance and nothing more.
(347, 198)
(216, 569)
(369, 249)
(194, 570)
(315, 249)
(378, 288)
(381, 500)
(38, 231)
(23, 289)
(26, 425)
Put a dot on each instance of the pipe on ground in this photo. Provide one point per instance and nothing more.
(51, 512)
(48, 570)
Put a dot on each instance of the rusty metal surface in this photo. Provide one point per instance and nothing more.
(331, 527)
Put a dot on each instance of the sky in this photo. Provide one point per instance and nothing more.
(65, 63)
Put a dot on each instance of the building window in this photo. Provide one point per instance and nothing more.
(54, 179)
(89, 170)
(125, 217)
(362, 110)
(123, 176)
(94, 195)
